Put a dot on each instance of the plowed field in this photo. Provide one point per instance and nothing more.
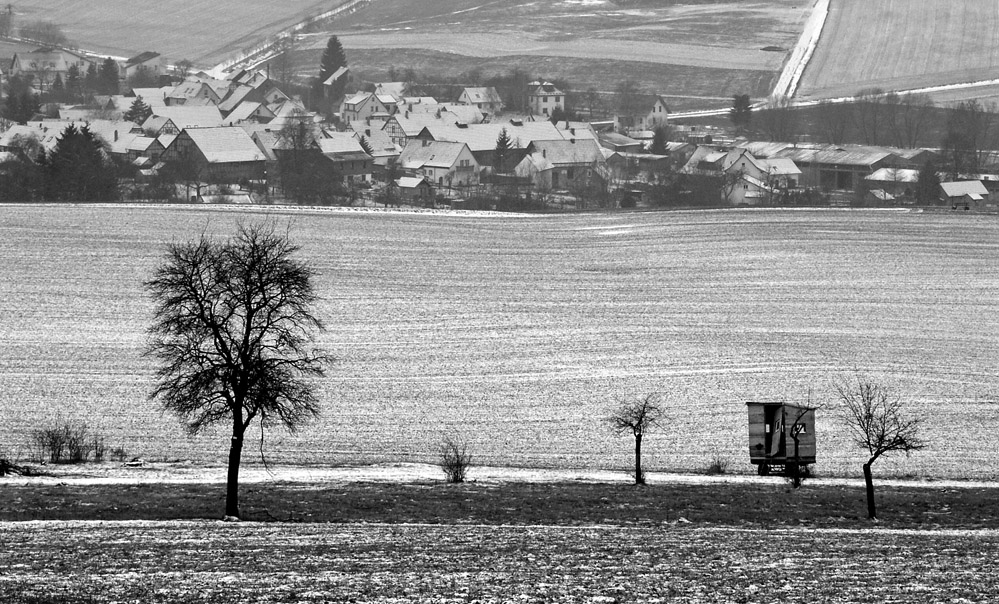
(520, 333)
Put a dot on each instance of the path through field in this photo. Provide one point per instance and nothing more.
(211, 562)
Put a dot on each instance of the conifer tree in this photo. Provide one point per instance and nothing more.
(501, 154)
(90, 81)
(333, 59)
(659, 136)
(77, 169)
(138, 112)
(108, 78)
(73, 83)
(366, 146)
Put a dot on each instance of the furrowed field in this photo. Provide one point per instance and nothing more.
(210, 563)
(518, 333)
(905, 45)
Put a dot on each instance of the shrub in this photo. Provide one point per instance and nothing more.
(454, 460)
(719, 465)
(69, 443)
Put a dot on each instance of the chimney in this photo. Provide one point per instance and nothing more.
(116, 136)
(544, 153)
(367, 132)
(572, 131)
(567, 123)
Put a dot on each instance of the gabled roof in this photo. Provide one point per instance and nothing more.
(562, 152)
(960, 188)
(482, 137)
(482, 94)
(225, 144)
(156, 123)
(340, 143)
(141, 58)
(380, 142)
(234, 97)
(184, 116)
(414, 123)
(141, 143)
(336, 75)
(779, 167)
(247, 110)
(435, 154)
(154, 97)
(267, 141)
(411, 182)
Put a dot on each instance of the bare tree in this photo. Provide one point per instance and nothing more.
(876, 418)
(778, 118)
(454, 459)
(233, 330)
(908, 117)
(833, 120)
(637, 416)
(869, 115)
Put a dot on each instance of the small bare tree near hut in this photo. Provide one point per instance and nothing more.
(233, 331)
(454, 459)
(876, 418)
(637, 417)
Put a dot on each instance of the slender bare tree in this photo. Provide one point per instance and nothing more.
(637, 417)
(877, 420)
(233, 330)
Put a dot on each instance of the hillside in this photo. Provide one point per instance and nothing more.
(907, 45)
(706, 49)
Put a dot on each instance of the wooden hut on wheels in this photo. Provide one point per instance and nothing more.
(781, 437)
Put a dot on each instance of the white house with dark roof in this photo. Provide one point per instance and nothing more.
(544, 97)
(149, 61)
(222, 154)
(364, 105)
(562, 164)
(442, 163)
(47, 63)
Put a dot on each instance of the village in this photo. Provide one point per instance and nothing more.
(178, 135)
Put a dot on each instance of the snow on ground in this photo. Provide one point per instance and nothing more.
(186, 473)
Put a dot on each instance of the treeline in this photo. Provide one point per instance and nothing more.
(25, 94)
(966, 132)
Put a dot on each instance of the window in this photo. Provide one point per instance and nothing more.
(544, 99)
(558, 99)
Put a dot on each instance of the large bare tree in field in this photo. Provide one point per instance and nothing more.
(876, 418)
(637, 417)
(234, 332)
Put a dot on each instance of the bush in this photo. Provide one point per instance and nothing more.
(454, 460)
(69, 443)
(719, 465)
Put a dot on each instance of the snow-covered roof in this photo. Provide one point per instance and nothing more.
(225, 144)
(961, 188)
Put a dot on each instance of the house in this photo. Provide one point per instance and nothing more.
(481, 138)
(184, 116)
(656, 117)
(348, 160)
(620, 143)
(150, 62)
(337, 80)
(643, 167)
(414, 189)
(483, 98)
(562, 164)
(383, 150)
(154, 97)
(193, 92)
(965, 194)
(404, 126)
(147, 148)
(745, 179)
(249, 111)
(543, 98)
(364, 105)
(44, 64)
(441, 162)
(839, 167)
(221, 154)
(158, 126)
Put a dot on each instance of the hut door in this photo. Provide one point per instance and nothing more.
(774, 435)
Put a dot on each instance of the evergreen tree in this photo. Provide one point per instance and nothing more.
(659, 140)
(74, 83)
(90, 81)
(558, 115)
(366, 146)
(928, 183)
(138, 112)
(77, 169)
(21, 106)
(333, 59)
(58, 90)
(501, 154)
(107, 82)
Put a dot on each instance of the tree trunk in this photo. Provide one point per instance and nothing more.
(869, 481)
(232, 478)
(639, 475)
